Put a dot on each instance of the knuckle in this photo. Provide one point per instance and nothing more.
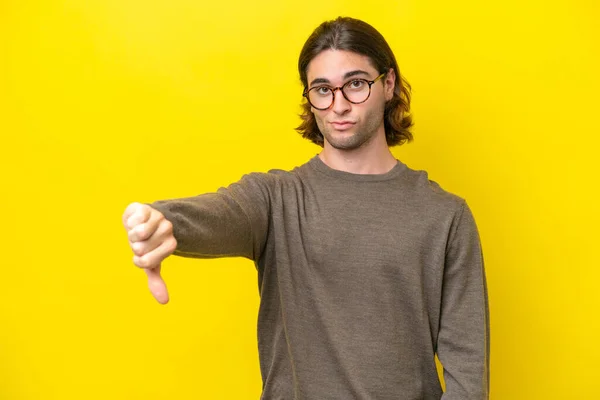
(142, 262)
(131, 235)
(140, 231)
(138, 248)
(130, 209)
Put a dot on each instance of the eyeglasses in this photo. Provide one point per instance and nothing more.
(355, 91)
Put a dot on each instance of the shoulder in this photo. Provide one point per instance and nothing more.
(271, 181)
(431, 194)
(279, 176)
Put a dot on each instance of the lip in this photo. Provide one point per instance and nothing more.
(342, 125)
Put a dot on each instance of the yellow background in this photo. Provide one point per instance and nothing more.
(107, 102)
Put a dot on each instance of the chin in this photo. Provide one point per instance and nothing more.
(348, 143)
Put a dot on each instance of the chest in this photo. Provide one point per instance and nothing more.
(382, 234)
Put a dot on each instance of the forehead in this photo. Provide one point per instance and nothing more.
(333, 64)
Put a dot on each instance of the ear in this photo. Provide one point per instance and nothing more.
(389, 84)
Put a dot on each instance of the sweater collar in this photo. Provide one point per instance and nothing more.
(320, 166)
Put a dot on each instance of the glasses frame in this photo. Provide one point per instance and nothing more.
(340, 88)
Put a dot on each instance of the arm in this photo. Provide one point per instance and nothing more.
(231, 222)
(463, 344)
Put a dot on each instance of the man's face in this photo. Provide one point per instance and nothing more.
(347, 126)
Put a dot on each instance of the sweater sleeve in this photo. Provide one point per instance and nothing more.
(232, 222)
(463, 344)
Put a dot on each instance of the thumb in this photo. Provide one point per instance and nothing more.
(157, 285)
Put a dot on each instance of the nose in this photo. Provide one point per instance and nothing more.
(340, 104)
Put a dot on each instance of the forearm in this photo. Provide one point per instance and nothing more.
(464, 350)
(463, 345)
(207, 226)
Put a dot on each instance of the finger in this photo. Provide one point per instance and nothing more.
(153, 258)
(162, 233)
(141, 215)
(145, 230)
(157, 285)
(129, 211)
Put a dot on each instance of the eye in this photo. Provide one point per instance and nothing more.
(356, 84)
(322, 90)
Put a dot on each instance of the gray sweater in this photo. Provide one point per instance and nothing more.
(362, 280)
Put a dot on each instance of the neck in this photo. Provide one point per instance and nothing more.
(373, 157)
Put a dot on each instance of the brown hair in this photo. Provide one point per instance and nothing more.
(354, 35)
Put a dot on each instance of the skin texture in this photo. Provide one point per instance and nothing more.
(359, 147)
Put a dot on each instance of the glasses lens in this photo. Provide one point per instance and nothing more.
(357, 90)
(320, 97)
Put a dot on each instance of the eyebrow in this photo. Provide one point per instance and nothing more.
(346, 76)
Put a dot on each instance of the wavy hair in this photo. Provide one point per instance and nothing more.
(345, 33)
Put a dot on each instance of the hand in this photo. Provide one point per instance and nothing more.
(151, 239)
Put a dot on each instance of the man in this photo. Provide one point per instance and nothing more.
(366, 268)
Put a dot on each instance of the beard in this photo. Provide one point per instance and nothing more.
(362, 132)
